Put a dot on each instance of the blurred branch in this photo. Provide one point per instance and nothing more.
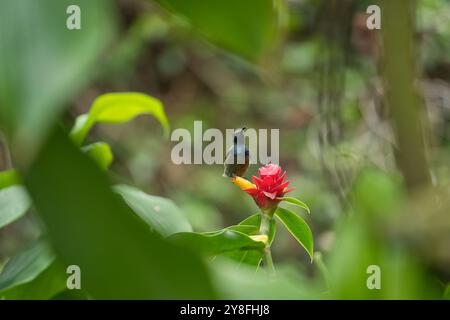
(405, 107)
(425, 221)
(335, 24)
(5, 156)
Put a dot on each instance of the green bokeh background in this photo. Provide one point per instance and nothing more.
(308, 68)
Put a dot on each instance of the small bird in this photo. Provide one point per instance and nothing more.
(237, 157)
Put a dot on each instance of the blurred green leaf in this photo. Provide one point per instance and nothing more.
(298, 228)
(92, 227)
(26, 266)
(146, 28)
(318, 261)
(370, 186)
(402, 276)
(297, 202)
(202, 215)
(245, 283)
(46, 285)
(216, 243)
(44, 64)
(377, 199)
(161, 214)
(71, 295)
(14, 203)
(9, 178)
(300, 57)
(244, 27)
(118, 108)
(100, 152)
(446, 294)
(32, 274)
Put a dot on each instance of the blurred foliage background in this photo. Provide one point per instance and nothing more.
(321, 79)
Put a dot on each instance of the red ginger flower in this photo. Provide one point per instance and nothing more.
(269, 187)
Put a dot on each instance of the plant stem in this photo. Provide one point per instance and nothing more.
(323, 269)
(266, 218)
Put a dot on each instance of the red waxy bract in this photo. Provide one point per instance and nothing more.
(270, 186)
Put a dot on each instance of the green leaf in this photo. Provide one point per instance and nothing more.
(297, 202)
(46, 285)
(32, 274)
(161, 214)
(243, 27)
(43, 64)
(26, 266)
(9, 178)
(245, 283)
(100, 152)
(71, 295)
(118, 108)
(91, 226)
(14, 203)
(298, 228)
(217, 243)
(251, 258)
(250, 226)
(255, 221)
(246, 229)
(318, 260)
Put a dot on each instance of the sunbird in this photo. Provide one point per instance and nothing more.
(237, 157)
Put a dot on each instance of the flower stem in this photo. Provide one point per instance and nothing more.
(266, 218)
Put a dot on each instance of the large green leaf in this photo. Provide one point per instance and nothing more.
(118, 108)
(244, 27)
(245, 283)
(298, 228)
(216, 243)
(43, 64)
(100, 152)
(161, 214)
(9, 178)
(71, 295)
(14, 203)
(92, 227)
(45, 285)
(32, 274)
(26, 266)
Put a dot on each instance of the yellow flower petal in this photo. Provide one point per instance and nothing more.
(242, 183)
